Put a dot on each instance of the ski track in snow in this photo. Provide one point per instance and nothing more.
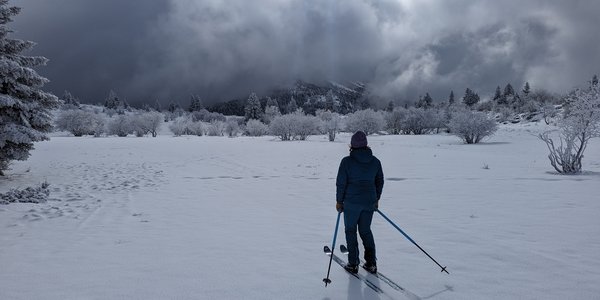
(246, 218)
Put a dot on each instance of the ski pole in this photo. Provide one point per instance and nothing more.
(337, 223)
(408, 237)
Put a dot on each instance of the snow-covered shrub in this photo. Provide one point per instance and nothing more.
(485, 106)
(416, 122)
(120, 125)
(147, 122)
(185, 126)
(368, 121)
(438, 119)
(28, 195)
(207, 116)
(549, 111)
(256, 128)
(80, 122)
(294, 126)
(394, 120)
(331, 123)
(215, 128)
(305, 125)
(232, 127)
(195, 128)
(179, 126)
(271, 112)
(282, 126)
(504, 114)
(471, 126)
(581, 123)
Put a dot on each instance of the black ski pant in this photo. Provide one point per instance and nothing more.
(359, 219)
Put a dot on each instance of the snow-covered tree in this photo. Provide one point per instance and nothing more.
(179, 126)
(526, 89)
(437, 119)
(390, 106)
(368, 121)
(232, 127)
(215, 128)
(148, 122)
(416, 121)
(394, 120)
(272, 102)
(331, 123)
(295, 126)
(80, 122)
(331, 102)
(207, 116)
(195, 103)
(306, 125)
(470, 98)
(184, 125)
(580, 124)
(282, 126)
(120, 125)
(113, 101)
(253, 109)
(24, 107)
(471, 126)
(425, 102)
(498, 99)
(509, 90)
(271, 112)
(451, 98)
(69, 101)
(256, 128)
(292, 106)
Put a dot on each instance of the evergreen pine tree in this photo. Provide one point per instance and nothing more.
(330, 101)
(69, 99)
(595, 80)
(24, 108)
(272, 102)
(157, 105)
(253, 109)
(427, 101)
(172, 107)
(470, 98)
(509, 91)
(526, 90)
(451, 98)
(390, 106)
(292, 106)
(497, 94)
(113, 101)
(500, 98)
(195, 103)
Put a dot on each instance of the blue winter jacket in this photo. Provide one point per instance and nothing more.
(359, 180)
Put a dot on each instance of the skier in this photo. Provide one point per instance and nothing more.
(359, 186)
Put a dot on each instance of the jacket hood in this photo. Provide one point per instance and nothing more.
(362, 155)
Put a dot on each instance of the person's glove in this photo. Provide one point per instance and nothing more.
(339, 206)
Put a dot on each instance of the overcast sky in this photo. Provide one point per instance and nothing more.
(220, 49)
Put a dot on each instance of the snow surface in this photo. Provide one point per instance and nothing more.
(247, 218)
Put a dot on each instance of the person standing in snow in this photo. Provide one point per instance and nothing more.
(359, 186)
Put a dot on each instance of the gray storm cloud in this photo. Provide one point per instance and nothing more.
(223, 49)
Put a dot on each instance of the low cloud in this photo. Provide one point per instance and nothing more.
(225, 49)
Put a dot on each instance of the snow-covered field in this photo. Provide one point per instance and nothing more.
(247, 218)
